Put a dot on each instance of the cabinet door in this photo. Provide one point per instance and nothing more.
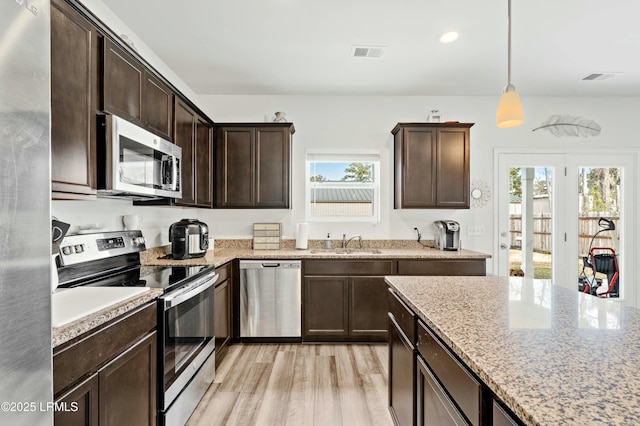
(415, 155)
(123, 80)
(128, 386)
(453, 168)
(434, 408)
(368, 307)
(203, 164)
(222, 312)
(234, 167)
(74, 46)
(157, 106)
(80, 405)
(501, 417)
(272, 146)
(326, 312)
(184, 137)
(401, 377)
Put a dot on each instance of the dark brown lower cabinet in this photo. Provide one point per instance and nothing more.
(428, 384)
(326, 308)
(79, 406)
(368, 307)
(345, 300)
(109, 376)
(223, 311)
(433, 406)
(402, 362)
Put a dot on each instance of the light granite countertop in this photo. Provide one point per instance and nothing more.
(554, 356)
(67, 332)
(220, 256)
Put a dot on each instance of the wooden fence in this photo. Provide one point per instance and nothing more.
(587, 228)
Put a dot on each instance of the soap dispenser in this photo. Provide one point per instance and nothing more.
(327, 242)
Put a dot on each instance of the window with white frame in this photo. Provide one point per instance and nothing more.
(342, 186)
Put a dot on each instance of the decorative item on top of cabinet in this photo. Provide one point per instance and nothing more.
(431, 165)
(193, 134)
(75, 44)
(253, 164)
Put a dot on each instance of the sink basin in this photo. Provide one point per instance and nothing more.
(75, 303)
(347, 251)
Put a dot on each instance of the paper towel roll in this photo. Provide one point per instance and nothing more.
(302, 236)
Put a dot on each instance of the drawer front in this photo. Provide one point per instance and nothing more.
(224, 271)
(434, 407)
(501, 417)
(464, 389)
(403, 316)
(442, 267)
(348, 267)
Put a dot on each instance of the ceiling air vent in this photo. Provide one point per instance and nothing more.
(367, 51)
(596, 76)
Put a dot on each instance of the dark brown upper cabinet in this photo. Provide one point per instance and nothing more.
(194, 135)
(157, 106)
(134, 93)
(123, 82)
(253, 165)
(431, 165)
(75, 45)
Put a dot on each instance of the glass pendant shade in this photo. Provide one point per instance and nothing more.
(510, 113)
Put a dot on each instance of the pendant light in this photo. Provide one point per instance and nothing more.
(510, 112)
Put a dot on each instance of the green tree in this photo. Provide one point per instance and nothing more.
(358, 172)
(515, 182)
(317, 178)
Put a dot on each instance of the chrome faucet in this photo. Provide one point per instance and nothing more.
(346, 242)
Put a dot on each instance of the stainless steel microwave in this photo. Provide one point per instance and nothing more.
(136, 163)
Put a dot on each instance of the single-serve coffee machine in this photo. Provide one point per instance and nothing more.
(447, 235)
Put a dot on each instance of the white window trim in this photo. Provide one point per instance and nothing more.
(346, 155)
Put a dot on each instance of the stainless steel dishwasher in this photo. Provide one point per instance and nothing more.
(270, 298)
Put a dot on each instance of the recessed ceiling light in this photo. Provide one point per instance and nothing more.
(448, 37)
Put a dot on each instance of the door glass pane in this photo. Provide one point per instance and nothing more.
(530, 208)
(599, 206)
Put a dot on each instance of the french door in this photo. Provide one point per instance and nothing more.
(549, 205)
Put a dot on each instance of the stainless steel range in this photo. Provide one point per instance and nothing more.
(186, 358)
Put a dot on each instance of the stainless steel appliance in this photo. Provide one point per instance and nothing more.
(134, 162)
(189, 239)
(25, 212)
(270, 298)
(447, 235)
(186, 356)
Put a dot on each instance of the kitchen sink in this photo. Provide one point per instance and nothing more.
(346, 251)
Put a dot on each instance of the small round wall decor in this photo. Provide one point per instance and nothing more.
(480, 194)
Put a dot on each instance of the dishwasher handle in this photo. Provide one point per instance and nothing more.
(276, 264)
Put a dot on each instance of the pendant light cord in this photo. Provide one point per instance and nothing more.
(509, 43)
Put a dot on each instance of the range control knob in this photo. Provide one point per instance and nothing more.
(138, 241)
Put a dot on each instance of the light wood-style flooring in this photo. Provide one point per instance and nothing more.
(298, 384)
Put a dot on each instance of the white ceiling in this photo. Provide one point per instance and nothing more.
(303, 46)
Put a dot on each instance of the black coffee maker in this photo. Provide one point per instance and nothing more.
(189, 239)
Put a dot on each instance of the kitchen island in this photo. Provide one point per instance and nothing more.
(549, 354)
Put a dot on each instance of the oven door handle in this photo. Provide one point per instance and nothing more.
(189, 291)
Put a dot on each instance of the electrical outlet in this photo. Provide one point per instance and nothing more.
(475, 230)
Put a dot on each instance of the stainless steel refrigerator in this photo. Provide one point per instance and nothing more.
(25, 214)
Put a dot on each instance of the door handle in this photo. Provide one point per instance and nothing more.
(503, 246)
